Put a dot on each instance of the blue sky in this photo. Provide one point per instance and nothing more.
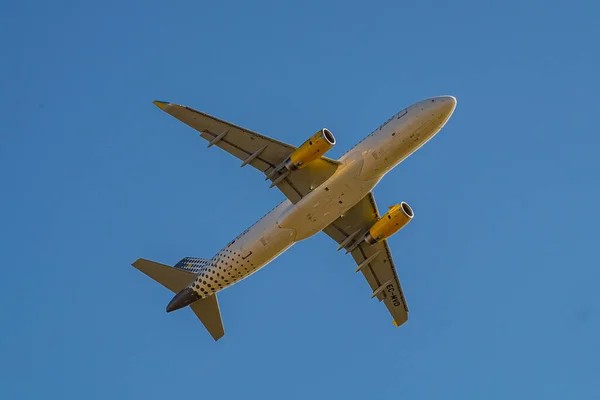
(499, 267)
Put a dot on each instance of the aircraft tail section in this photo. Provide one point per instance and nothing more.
(178, 278)
(207, 310)
(174, 279)
(192, 264)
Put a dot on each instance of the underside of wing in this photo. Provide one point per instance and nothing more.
(259, 151)
(374, 261)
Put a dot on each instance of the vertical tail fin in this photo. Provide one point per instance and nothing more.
(192, 264)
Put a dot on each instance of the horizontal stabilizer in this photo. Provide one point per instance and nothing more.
(172, 278)
(176, 279)
(207, 310)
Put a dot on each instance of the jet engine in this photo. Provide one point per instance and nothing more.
(396, 218)
(317, 145)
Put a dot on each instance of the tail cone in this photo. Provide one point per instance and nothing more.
(184, 298)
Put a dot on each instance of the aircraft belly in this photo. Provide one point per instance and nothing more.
(264, 245)
(411, 141)
(395, 144)
(252, 250)
(326, 203)
(289, 223)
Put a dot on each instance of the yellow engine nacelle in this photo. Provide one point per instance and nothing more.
(310, 150)
(395, 219)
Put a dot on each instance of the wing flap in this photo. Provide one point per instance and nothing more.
(381, 271)
(243, 153)
(238, 141)
(374, 261)
(245, 144)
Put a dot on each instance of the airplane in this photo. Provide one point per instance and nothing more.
(322, 194)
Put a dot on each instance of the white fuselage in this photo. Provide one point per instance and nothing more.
(360, 170)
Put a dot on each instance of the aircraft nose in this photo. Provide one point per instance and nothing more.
(184, 298)
(445, 104)
(443, 107)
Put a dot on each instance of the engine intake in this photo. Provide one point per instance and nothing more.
(317, 145)
(396, 218)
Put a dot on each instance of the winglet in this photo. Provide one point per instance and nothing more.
(160, 104)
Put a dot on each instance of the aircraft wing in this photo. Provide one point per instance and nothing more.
(374, 261)
(261, 152)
